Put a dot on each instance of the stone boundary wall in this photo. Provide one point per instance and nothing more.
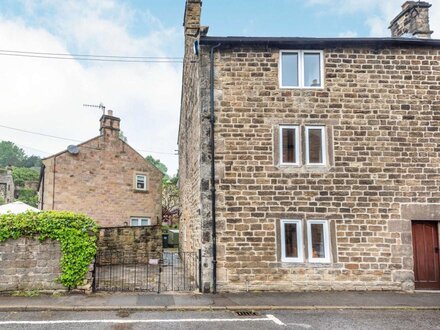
(132, 243)
(27, 264)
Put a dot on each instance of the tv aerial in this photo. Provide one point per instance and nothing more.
(100, 106)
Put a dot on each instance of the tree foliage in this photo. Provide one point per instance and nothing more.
(170, 194)
(11, 154)
(158, 164)
(76, 234)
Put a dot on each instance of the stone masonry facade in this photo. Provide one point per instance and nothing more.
(28, 264)
(99, 181)
(133, 244)
(380, 107)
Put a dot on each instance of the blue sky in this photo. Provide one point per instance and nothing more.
(46, 95)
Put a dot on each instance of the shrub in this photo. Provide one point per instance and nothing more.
(23, 174)
(29, 197)
(76, 234)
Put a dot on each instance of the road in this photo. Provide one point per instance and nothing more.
(320, 319)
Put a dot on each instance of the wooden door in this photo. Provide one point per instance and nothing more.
(426, 255)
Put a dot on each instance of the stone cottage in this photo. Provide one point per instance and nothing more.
(312, 163)
(105, 179)
(7, 186)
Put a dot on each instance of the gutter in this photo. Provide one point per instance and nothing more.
(213, 191)
(319, 43)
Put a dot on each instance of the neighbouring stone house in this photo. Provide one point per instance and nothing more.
(105, 179)
(7, 186)
(312, 163)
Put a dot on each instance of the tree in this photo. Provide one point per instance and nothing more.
(170, 201)
(10, 154)
(32, 161)
(158, 164)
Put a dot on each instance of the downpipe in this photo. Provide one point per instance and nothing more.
(213, 191)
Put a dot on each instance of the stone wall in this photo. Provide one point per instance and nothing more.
(99, 182)
(130, 243)
(28, 264)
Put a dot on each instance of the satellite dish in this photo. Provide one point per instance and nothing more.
(72, 149)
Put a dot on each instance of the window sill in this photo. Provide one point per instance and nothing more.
(140, 191)
(303, 168)
(284, 264)
(302, 88)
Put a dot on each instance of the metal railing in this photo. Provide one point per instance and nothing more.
(154, 272)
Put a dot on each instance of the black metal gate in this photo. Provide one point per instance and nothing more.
(154, 272)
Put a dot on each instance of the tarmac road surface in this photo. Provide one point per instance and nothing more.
(310, 319)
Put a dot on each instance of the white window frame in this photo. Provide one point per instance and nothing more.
(297, 144)
(323, 144)
(326, 241)
(301, 68)
(299, 240)
(145, 181)
(139, 221)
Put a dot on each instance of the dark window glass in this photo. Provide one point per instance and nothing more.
(291, 242)
(315, 146)
(289, 145)
(312, 70)
(318, 247)
(289, 69)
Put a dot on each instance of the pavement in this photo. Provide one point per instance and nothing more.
(224, 301)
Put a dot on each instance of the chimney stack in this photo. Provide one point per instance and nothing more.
(413, 21)
(109, 125)
(191, 20)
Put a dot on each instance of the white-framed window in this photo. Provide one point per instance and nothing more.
(137, 222)
(141, 182)
(291, 241)
(318, 239)
(301, 69)
(289, 145)
(315, 145)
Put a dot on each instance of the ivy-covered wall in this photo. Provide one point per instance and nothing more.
(46, 251)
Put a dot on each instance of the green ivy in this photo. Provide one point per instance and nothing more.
(76, 234)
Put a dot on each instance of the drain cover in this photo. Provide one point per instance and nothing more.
(246, 313)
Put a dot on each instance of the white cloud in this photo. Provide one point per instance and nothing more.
(45, 95)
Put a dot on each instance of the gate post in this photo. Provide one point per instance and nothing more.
(94, 274)
(200, 270)
(160, 272)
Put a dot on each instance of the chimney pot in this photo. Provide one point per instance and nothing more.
(110, 112)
